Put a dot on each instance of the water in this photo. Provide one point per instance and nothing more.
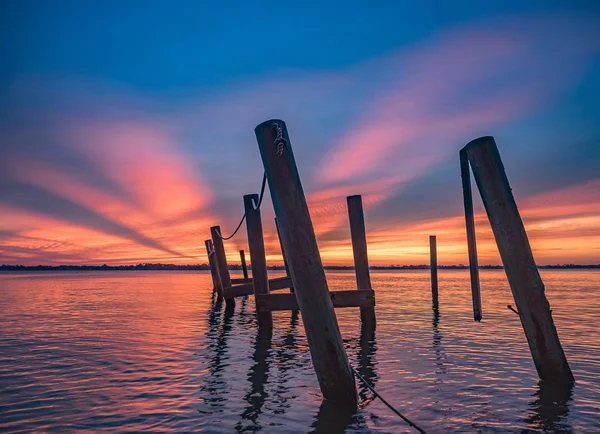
(145, 351)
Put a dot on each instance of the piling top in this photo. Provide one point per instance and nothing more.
(478, 142)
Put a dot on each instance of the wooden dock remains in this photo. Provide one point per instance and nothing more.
(520, 267)
(433, 267)
(243, 262)
(221, 261)
(298, 238)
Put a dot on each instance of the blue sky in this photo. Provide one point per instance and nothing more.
(378, 100)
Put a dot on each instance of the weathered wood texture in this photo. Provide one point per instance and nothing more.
(260, 275)
(521, 270)
(285, 262)
(221, 260)
(214, 272)
(465, 175)
(238, 281)
(306, 269)
(358, 234)
(247, 288)
(433, 266)
(353, 298)
(243, 261)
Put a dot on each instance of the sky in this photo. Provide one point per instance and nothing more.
(127, 127)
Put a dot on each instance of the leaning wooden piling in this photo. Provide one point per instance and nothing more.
(285, 262)
(434, 268)
(260, 277)
(217, 285)
(465, 175)
(243, 262)
(306, 269)
(521, 270)
(359, 250)
(221, 259)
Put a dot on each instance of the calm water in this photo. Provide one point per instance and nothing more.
(146, 351)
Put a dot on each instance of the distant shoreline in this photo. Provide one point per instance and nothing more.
(205, 267)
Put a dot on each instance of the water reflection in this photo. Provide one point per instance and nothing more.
(440, 356)
(332, 418)
(258, 377)
(550, 408)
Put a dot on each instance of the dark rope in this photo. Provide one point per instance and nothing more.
(262, 193)
(405, 419)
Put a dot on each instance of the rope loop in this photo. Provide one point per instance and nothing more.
(279, 141)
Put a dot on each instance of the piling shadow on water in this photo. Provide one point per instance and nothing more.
(551, 408)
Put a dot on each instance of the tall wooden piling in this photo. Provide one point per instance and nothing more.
(217, 285)
(221, 259)
(359, 250)
(434, 268)
(521, 270)
(285, 262)
(306, 269)
(243, 261)
(260, 278)
(465, 175)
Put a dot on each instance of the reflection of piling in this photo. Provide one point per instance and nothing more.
(433, 266)
(222, 266)
(243, 261)
(366, 354)
(260, 278)
(471, 239)
(520, 267)
(551, 408)
(359, 250)
(306, 269)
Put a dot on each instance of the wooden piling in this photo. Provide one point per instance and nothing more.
(243, 261)
(521, 270)
(285, 262)
(217, 286)
(260, 277)
(433, 266)
(221, 259)
(306, 269)
(465, 175)
(359, 251)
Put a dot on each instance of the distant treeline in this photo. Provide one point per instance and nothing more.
(272, 267)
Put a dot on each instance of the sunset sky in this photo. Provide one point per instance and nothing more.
(127, 127)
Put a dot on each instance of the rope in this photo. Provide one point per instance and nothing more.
(260, 199)
(405, 419)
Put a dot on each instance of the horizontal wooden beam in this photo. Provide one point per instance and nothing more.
(240, 280)
(352, 298)
(248, 288)
(280, 283)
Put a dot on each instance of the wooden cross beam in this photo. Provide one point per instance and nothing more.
(352, 298)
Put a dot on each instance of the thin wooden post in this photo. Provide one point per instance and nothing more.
(217, 285)
(260, 277)
(285, 262)
(215, 232)
(433, 266)
(359, 251)
(306, 269)
(521, 270)
(465, 175)
(243, 260)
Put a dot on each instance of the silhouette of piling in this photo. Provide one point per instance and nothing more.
(434, 268)
(359, 251)
(260, 277)
(521, 270)
(243, 261)
(219, 249)
(214, 272)
(465, 175)
(306, 269)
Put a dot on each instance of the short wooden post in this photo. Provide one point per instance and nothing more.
(465, 175)
(434, 270)
(521, 270)
(243, 260)
(219, 248)
(306, 269)
(285, 262)
(260, 277)
(359, 251)
(217, 286)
